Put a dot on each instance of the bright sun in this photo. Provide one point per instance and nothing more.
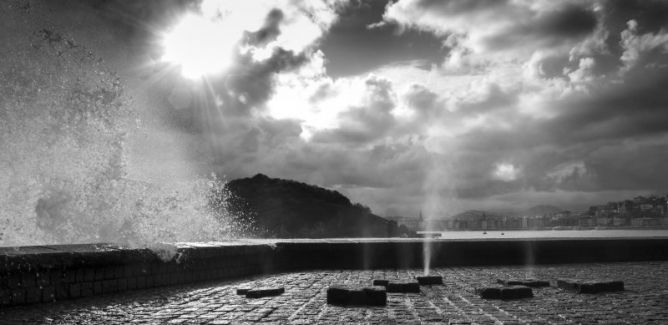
(199, 46)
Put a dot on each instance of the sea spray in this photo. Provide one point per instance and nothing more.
(64, 125)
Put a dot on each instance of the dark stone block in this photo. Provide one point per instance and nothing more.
(403, 287)
(506, 293)
(489, 293)
(5, 297)
(264, 292)
(86, 289)
(97, 288)
(516, 292)
(132, 283)
(48, 294)
(61, 291)
(14, 281)
(381, 282)
(375, 296)
(348, 296)
(429, 279)
(590, 286)
(533, 283)
(242, 291)
(33, 295)
(75, 290)
(18, 296)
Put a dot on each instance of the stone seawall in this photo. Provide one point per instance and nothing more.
(35, 274)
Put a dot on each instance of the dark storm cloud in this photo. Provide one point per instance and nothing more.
(551, 28)
(590, 118)
(353, 47)
(456, 7)
(571, 21)
(637, 107)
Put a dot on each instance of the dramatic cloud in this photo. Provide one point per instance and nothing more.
(411, 105)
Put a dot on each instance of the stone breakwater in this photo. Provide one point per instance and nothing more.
(305, 300)
(53, 273)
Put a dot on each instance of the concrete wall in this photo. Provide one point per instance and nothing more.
(48, 273)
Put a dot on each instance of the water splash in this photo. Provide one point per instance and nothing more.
(438, 202)
(64, 123)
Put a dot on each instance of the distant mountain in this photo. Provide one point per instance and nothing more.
(540, 210)
(475, 214)
(289, 209)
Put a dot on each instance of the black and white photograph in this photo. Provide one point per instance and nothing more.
(303, 162)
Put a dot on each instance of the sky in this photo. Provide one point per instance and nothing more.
(404, 106)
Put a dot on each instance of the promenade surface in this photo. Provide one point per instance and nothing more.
(645, 300)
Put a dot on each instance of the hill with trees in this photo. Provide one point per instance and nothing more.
(288, 209)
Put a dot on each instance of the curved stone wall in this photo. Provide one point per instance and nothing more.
(37, 274)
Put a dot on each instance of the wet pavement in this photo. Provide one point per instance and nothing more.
(645, 300)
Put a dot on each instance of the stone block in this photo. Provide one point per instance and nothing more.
(533, 283)
(43, 279)
(516, 292)
(18, 296)
(99, 274)
(109, 272)
(33, 295)
(86, 289)
(70, 276)
(349, 296)
(242, 291)
(48, 294)
(132, 283)
(429, 279)
(109, 286)
(590, 286)
(489, 292)
(56, 276)
(5, 297)
(14, 281)
(74, 290)
(61, 291)
(97, 288)
(264, 292)
(381, 282)
(505, 293)
(141, 282)
(403, 287)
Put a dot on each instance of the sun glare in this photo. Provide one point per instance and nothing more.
(199, 46)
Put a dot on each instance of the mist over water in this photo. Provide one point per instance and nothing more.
(64, 126)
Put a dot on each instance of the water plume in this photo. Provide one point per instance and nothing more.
(437, 203)
(64, 126)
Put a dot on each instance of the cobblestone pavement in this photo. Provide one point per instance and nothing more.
(645, 300)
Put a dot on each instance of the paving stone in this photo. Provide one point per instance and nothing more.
(403, 287)
(350, 296)
(533, 283)
(305, 300)
(429, 279)
(264, 292)
(590, 286)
